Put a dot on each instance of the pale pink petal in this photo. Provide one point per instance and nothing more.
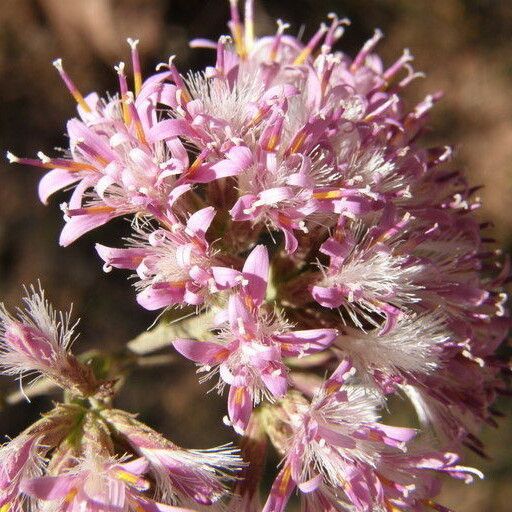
(199, 222)
(237, 312)
(81, 224)
(177, 192)
(255, 271)
(239, 407)
(306, 342)
(169, 129)
(55, 180)
(153, 506)
(202, 352)
(226, 277)
(290, 241)
(310, 485)
(137, 466)
(160, 295)
(121, 258)
(276, 383)
(273, 196)
(49, 487)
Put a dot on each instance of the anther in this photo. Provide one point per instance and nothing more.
(71, 85)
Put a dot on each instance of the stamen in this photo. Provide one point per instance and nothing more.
(71, 86)
(50, 163)
(281, 27)
(137, 74)
(366, 49)
(90, 210)
(400, 63)
(178, 80)
(221, 51)
(308, 49)
(123, 87)
(336, 30)
(237, 29)
(272, 133)
(249, 24)
(13, 159)
(139, 129)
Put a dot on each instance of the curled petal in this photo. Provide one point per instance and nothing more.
(55, 180)
(81, 224)
(202, 352)
(306, 342)
(239, 407)
(255, 271)
(121, 258)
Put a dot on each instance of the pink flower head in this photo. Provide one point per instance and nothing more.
(19, 459)
(174, 264)
(180, 475)
(365, 249)
(334, 442)
(98, 483)
(248, 353)
(37, 342)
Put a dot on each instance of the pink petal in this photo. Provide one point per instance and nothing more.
(49, 487)
(310, 485)
(202, 352)
(121, 258)
(256, 272)
(169, 129)
(395, 436)
(276, 383)
(238, 159)
(306, 342)
(239, 407)
(55, 180)
(160, 295)
(79, 132)
(81, 224)
(328, 297)
(200, 221)
(226, 277)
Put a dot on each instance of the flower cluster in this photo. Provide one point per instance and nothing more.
(284, 197)
(75, 457)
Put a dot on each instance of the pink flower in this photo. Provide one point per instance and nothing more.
(335, 451)
(180, 475)
(98, 483)
(284, 193)
(38, 342)
(248, 354)
(174, 265)
(332, 441)
(19, 459)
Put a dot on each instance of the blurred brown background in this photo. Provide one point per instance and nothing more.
(464, 46)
